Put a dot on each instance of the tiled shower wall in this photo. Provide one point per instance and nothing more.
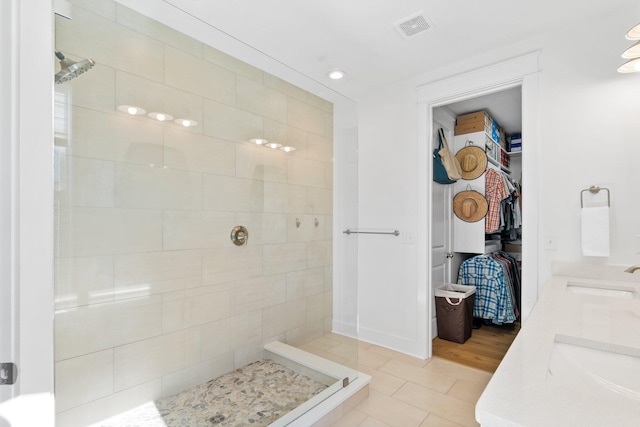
(151, 295)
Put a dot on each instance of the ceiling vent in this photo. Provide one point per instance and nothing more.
(414, 25)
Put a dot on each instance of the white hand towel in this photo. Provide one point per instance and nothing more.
(595, 231)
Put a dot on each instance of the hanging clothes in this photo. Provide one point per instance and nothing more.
(495, 191)
(494, 292)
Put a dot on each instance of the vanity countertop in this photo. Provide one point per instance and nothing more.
(576, 360)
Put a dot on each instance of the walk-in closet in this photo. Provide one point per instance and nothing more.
(477, 224)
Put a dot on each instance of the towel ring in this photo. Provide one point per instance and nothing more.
(595, 189)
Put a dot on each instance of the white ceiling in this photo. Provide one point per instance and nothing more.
(358, 36)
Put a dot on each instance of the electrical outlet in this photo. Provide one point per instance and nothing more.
(549, 242)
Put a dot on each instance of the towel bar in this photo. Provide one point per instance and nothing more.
(595, 189)
(349, 231)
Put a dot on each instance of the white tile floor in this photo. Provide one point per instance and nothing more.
(405, 391)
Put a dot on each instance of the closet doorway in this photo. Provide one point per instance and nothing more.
(455, 242)
(520, 72)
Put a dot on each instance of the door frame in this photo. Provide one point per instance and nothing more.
(521, 71)
(30, 67)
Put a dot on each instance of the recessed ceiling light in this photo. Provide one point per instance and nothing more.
(186, 122)
(273, 145)
(259, 141)
(132, 110)
(161, 117)
(337, 75)
(288, 149)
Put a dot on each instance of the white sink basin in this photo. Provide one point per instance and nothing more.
(581, 363)
(602, 290)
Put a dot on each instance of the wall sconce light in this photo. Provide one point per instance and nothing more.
(633, 53)
(634, 33)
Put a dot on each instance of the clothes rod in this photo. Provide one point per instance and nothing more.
(349, 231)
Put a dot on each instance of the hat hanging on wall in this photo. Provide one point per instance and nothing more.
(473, 161)
(470, 206)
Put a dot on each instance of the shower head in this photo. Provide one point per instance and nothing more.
(71, 69)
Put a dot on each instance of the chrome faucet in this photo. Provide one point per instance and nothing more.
(632, 269)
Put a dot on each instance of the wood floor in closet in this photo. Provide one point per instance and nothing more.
(484, 350)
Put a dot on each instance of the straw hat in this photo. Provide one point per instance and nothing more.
(470, 206)
(473, 161)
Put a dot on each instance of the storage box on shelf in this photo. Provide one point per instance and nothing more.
(515, 143)
(475, 122)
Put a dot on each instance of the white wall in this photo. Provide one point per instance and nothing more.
(586, 107)
(387, 265)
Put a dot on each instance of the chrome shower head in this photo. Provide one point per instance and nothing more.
(71, 69)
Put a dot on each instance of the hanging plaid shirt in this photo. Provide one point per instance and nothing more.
(495, 191)
(493, 299)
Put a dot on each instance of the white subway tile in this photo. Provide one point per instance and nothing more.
(281, 318)
(320, 253)
(232, 64)
(197, 76)
(254, 294)
(230, 123)
(197, 229)
(215, 339)
(285, 87)
(83, 379)
(301, 284)
(83, 280)
(196, 307)
(142, 361)
(85, 182)
(264, 227)
(304, 116)
(147, 187)
(103, 231)
(152, 28)
(158, 271)
(308, 173)
(106, 407)
(229, 194)
(260, 163)
(319, 201)
(102, 326)
(261, 100)
(245, 329)
(198, 153)
(319, 148)
(115, 137)
(284, 198)
(282, 258)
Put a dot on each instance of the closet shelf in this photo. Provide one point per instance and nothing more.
(496, 163)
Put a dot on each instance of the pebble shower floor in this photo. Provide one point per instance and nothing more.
(254, 395)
